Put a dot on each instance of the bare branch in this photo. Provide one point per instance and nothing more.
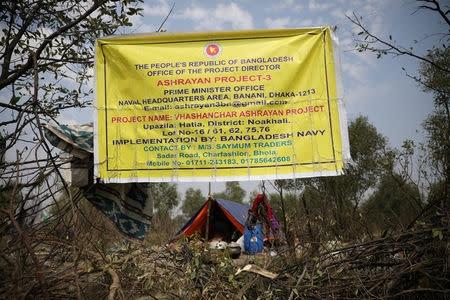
(391, 48)
(4, 82)
(436, 8)
(165, 19)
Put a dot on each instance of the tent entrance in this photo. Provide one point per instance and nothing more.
(220, 227)
(217, 218)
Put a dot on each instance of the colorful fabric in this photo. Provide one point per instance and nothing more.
(263, 212)
(71, 137)
(253, 240)
(262, 200)
(235, 212)
(127, 206)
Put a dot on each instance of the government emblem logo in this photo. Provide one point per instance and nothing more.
(212, 50)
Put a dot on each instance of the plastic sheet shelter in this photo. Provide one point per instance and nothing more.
(223, 220)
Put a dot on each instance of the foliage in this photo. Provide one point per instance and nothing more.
(292, 204)
(193, 200)
(411, 265)
(340, 196)
(252, 196)
(165, 197)
(233, 192)
(47, 52)
(46, 58)
(435, 80)
(294, 214)
(58, 34)
(368, 41)
(434, 77)
(390, 204)
(437, 124)
(163, 229)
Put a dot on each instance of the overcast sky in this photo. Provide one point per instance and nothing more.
(377, 88)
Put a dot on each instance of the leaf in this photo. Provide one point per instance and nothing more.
(361, 32)
(14, 100)
(257, 270)
(142, 276)
(319, 272)
(295, 291)
(438, 233)
(148, 282)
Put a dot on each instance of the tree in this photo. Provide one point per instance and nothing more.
(165, 197)
(193, 200)
(368, 41)
(57, 42)
(437, 124)
(434, 77)
(46, 58)
(287, 211)
(279, 186)
(344, 193)
(390, 206)
(252, 196)
(233, 192)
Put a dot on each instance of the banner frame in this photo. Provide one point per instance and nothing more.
(340, 102)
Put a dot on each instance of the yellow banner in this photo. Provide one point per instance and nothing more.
(242, 105)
